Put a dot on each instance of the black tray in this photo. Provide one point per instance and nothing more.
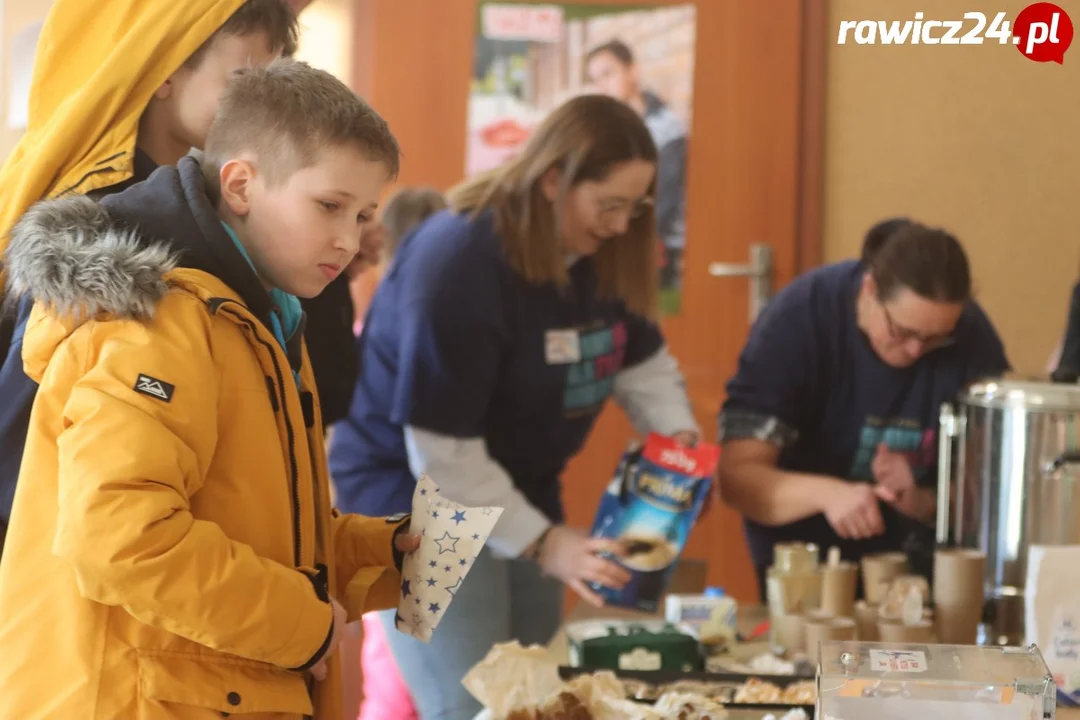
(662, 677)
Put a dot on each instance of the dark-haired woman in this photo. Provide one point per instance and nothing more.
(498, 334)
(829, 429)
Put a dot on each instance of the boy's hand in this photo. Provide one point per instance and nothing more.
(406, 542)
(340, 619)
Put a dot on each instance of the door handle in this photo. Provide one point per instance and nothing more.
(759, 270)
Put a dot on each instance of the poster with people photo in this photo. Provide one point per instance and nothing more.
(531, 57)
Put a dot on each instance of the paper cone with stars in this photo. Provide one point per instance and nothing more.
(451, 536)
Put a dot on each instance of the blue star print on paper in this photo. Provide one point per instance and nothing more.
(432, 575)
(449, 541)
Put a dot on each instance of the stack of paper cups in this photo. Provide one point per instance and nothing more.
(958, 594)
(838, 581)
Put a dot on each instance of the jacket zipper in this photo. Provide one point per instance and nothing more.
(96, 171)
(215, 305)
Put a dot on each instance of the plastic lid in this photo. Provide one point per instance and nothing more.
(714, 592)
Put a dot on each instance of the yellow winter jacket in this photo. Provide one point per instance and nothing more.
(172, 543)
(97, 66)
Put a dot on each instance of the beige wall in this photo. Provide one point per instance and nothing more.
(975, 138)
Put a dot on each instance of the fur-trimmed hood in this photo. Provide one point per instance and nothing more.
(70, 256)
(79, 259)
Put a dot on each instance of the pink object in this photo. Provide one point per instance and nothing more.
(386, 696)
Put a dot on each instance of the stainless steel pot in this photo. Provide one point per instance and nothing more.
(1009, 478)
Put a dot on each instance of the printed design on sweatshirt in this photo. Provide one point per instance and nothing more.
(901, 435)
(590, 382)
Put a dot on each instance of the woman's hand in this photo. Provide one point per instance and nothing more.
(918, 503)
(686, 438)
(892, 470)
(571, 556)
(852, 509)
(689, 438)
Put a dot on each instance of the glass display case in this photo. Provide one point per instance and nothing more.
(886, 681)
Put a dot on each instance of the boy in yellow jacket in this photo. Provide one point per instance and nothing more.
(120, 87)
(173, 552)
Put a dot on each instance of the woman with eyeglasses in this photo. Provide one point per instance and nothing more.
(830, 425)
(499, 332)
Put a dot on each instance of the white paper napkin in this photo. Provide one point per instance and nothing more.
(451, 536)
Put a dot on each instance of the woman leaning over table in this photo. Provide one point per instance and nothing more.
(829, 429)
(499, 332)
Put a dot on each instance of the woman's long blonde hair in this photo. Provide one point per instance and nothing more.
(585, 139)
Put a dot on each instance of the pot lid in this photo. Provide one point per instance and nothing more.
(1026, 394)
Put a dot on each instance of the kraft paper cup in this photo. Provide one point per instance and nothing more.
(795, 558)
(878, 573)
(866, 621)
(789, 634)
(959, 576)
(838, 588)
(787, 594)
(818, 631)
(892, 631)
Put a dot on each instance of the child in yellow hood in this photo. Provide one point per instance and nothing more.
(173, 552)
(120, 87)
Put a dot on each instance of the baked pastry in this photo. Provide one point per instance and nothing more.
(803, 692)
(712, 690)
(756, 691)
(688, 706)
(564, 706)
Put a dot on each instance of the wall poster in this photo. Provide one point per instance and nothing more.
(531, 57)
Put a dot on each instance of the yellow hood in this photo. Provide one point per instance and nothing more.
(97, 66)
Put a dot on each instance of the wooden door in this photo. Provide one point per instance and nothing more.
(750, 180)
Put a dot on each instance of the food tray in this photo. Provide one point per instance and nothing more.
(663, 677)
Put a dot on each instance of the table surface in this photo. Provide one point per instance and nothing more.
(748, 618)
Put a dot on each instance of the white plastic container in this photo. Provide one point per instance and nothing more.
(712, 614)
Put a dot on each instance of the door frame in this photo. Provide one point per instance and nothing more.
(810, 246)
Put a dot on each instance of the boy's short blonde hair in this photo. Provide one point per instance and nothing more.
(287, 114)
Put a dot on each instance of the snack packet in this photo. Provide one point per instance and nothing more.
(651, 506)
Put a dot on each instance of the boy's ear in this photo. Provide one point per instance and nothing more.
(165, 90)
(236, 177)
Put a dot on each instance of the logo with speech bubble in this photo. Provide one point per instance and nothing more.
(1043, 32)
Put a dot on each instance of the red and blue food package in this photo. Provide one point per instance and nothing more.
(651, 506)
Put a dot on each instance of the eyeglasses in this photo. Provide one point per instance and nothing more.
(905, 334)
(607, 207)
